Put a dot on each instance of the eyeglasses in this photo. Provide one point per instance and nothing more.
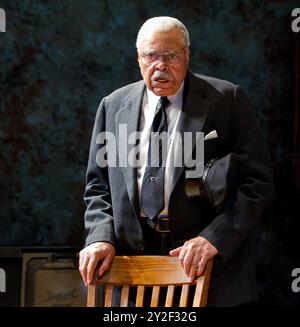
(170, 57)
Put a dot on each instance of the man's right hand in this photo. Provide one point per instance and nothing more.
(89, 257)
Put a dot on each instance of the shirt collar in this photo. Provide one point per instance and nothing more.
(175, 99)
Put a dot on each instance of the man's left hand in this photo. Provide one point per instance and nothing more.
(193, 256)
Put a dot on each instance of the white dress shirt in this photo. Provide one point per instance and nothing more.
(173, 112)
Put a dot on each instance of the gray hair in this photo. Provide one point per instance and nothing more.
(161, 24)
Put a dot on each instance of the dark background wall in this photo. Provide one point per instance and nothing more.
(59, 58)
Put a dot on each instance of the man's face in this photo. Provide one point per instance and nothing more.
(164, 75)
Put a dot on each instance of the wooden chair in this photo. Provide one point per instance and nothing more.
(155, 272)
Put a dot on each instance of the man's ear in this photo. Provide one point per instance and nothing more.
(187, 55)
(139, 59)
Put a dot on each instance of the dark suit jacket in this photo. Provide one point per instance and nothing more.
(111, 193)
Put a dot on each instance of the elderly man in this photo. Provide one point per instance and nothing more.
(133, 210)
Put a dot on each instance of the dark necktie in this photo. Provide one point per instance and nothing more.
(152, 193)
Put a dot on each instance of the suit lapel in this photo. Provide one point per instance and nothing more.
(192, 118)
(128, 117)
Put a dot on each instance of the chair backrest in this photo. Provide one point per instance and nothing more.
(154, 273)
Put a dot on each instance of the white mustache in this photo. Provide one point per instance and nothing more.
(159, 74)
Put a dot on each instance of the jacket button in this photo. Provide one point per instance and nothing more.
(141, 247)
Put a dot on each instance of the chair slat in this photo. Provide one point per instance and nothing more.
(170, 295)
(108, 295)
(140, 296)
(198, 293)
(124, 296)
(91, 300)
(184, 295)
(155, 296)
